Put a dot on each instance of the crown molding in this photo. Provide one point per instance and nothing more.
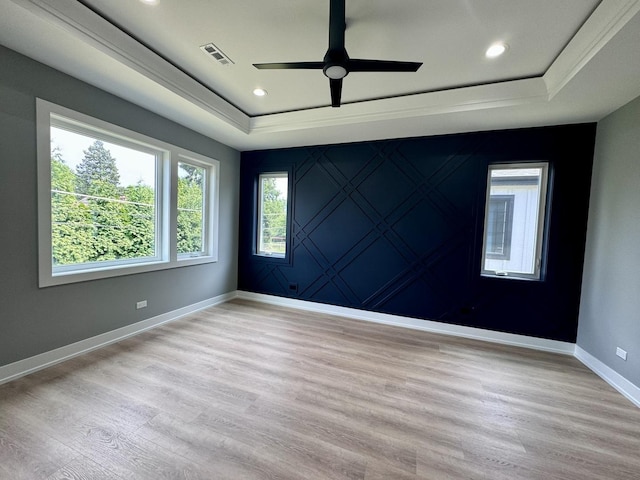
(604, 23)
(90, 28)
(481, 97)
(84, 25)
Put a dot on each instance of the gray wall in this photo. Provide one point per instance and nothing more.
(610, 303)
(34, 320)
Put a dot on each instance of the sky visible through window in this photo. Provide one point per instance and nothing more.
(282, 186)
(136, 168)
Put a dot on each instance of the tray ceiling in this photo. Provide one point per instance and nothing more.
(566, 62)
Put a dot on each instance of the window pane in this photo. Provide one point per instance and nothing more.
(500, 226)
(272, 215)
(106, 207)
(191, 202)
(515, 202)
(103, 200)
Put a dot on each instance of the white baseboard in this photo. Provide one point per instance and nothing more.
(38, 362)
(29, 365)
(535, 343)
(617, 381)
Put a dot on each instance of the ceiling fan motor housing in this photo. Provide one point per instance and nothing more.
(336, 64)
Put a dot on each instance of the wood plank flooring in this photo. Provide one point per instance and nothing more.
(244, 391)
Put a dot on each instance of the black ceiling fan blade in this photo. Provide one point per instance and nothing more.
(337, 24)
(358, 65)
(336, 63)
(290, 66)
(336, 92)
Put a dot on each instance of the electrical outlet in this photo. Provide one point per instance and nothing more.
(621, 353)
(141, 304)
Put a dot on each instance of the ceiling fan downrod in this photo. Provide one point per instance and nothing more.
(336, 63)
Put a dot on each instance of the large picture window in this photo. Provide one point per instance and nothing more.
(114, 202)
(515, 220)
(104, 200)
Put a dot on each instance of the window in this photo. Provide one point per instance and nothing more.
(191, 229)
(105, 203)
(514, 220)
(272, 214)
(500, 226)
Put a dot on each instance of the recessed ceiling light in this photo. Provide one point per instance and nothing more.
(259, 92)
(150, 2)
(496, 50)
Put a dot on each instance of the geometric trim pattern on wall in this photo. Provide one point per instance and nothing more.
(395, 227)
(370, 232)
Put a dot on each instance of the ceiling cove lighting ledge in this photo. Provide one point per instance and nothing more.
(506, 94)
(90, 28)
(604, 23)
(84, 25)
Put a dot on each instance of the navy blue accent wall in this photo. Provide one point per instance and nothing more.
(395, 226)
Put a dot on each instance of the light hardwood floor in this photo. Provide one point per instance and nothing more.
(246, 391)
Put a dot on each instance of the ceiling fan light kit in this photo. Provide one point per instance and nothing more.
(335, 72)
(336, 63)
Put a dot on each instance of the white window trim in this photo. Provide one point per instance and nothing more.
(210, 213)
(169, 156)
(259, 251)
(544, 183)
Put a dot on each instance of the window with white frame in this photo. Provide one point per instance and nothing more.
(499, 226)
(191, 228)
(114, 202)
(515, 220)
(272, 214)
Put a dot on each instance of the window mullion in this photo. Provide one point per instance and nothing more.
(172, 207)
(108, 200)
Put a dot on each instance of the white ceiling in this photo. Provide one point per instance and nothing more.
(568, 61)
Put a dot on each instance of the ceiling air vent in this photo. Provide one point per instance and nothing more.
(215, 53)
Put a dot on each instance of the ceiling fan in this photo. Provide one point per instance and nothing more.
(336, 63)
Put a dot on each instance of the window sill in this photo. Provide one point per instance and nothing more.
(118, 271)
(510, 276)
